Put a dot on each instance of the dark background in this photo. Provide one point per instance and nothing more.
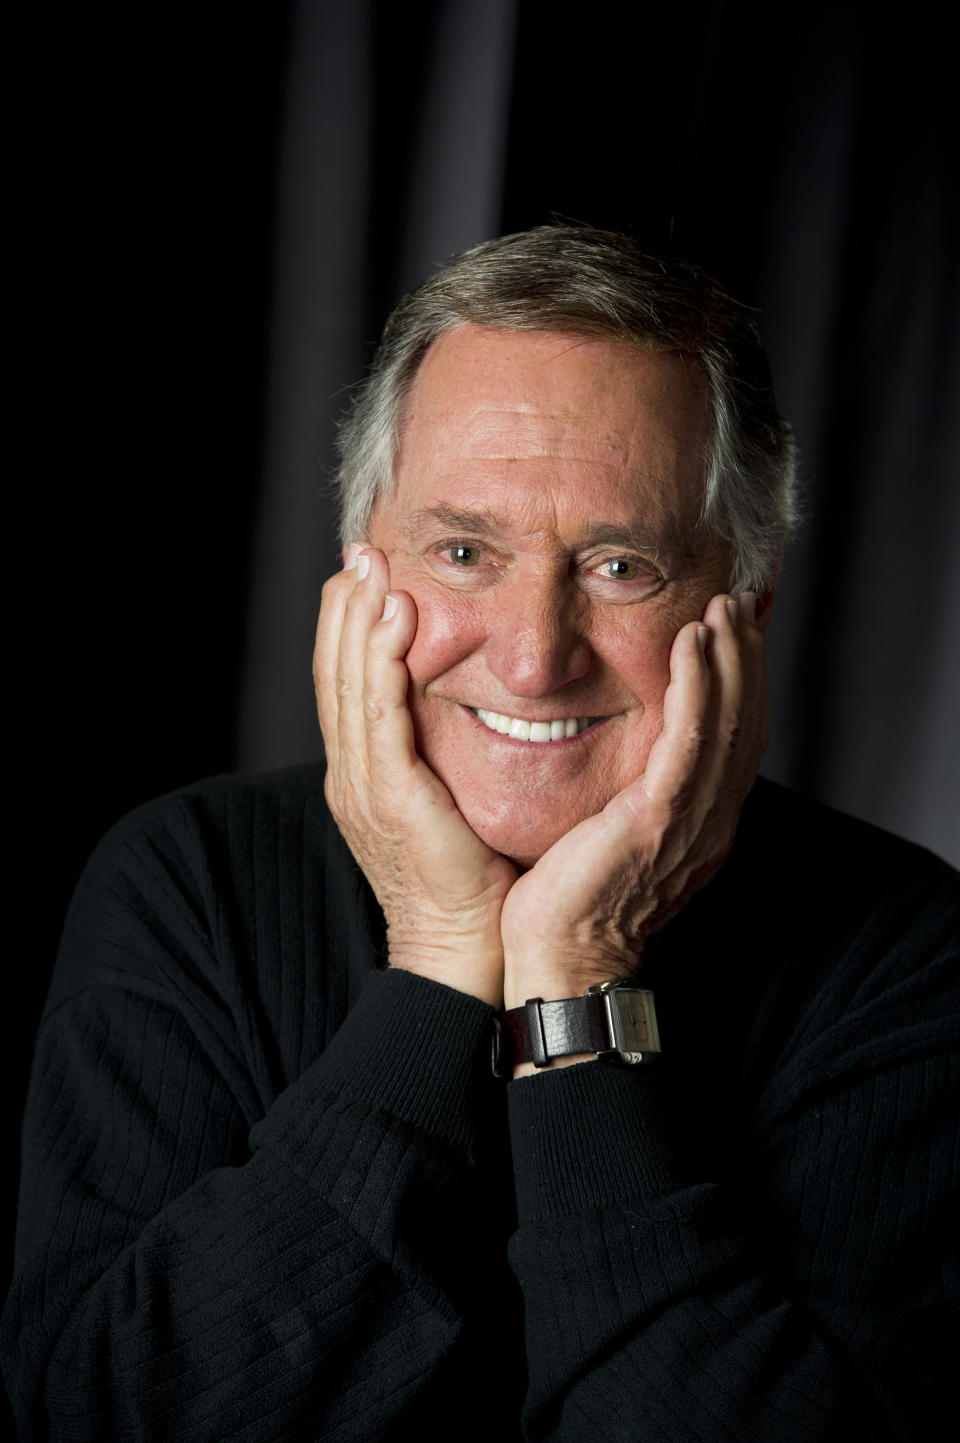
(220, 208)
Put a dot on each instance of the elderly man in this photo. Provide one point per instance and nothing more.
(273, 1188)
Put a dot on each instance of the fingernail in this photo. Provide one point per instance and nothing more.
(702, 633)
(350, 560)
(389, 607)
(748, 604)
(733, 610)
(363, 566)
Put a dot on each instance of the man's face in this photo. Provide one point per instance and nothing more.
(545, 523)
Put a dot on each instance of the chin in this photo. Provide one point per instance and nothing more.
(524, 842)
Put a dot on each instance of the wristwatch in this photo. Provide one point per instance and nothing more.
(613, 1019)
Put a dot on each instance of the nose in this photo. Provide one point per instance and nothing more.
(536, 643)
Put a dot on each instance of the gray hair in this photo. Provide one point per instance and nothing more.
(602, 285)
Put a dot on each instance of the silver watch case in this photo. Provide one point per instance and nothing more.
(631, 1022)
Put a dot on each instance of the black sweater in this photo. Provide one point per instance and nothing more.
(271, 1192)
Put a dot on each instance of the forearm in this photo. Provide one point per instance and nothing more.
(316, 1284)
(665, 1306)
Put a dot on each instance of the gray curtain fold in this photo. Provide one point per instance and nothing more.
(787, 161)
(337, 246)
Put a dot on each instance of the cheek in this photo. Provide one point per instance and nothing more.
(447, 631)
(634, 645)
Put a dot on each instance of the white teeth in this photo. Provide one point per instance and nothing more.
(538, 731)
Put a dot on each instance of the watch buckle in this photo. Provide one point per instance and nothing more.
(501, 1050)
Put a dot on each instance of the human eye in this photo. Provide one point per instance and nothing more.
(621, 578)
(620, 569)
(461, 553)
(458, 558)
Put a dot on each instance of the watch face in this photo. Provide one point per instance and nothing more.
(633, 1022)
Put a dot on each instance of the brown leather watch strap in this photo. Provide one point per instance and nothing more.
(542, 1030)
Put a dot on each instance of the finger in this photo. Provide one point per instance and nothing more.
(393, 761)
(363, 610)
(390, 739)
(336, 591)
(738, 695)
(675, 757)
(723, 618)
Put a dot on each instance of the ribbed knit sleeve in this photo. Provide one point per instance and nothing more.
(200, 1259)
(782, 1266)
(267, 1187)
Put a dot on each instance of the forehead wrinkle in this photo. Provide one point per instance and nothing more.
(501, 433)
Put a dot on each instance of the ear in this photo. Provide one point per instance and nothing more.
(767, 596)
(765, 601)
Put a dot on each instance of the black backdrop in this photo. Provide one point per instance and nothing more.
(222, 205)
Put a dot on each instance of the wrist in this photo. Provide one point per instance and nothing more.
(468, 964)
(555, 978)
(615, 1021)
(530, 1069)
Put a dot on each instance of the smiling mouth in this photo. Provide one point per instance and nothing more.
(555, 730)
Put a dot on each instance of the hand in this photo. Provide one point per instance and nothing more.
(440, 887)
(583, 913)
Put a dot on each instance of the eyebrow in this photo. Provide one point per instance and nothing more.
(487, 523)
(484, 521)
